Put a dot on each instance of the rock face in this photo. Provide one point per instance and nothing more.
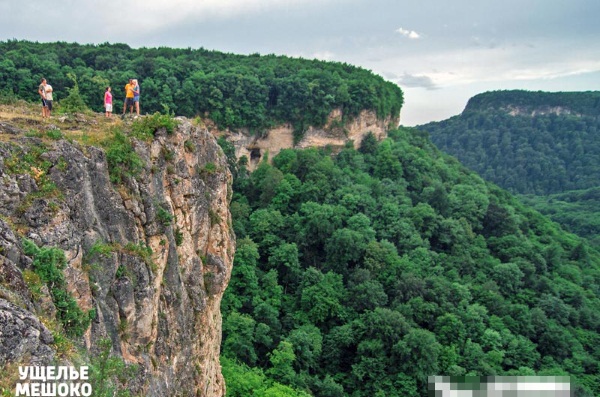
(152, 256)
(335, 133)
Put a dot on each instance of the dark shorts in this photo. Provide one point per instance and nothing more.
(44, 103)
(128, 101)
(49, 104)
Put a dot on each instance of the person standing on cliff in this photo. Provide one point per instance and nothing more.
(42, 92)
(128, 97)
(108, 102)
(49, 90)
(136, 96)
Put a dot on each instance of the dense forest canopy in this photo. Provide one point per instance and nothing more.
(576, 210)
(541, 153)
(539, 144)
(235, 91)
(579, 103)
(361, 273)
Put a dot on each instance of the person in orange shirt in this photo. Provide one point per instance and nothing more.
(128, 97)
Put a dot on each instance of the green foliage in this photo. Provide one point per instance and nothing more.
(575, 210)
(243, 381)
(586, 103)
(178, 237)
(235, 91)
(48, 263)
(146, 127)
(142, 251)
(54, 134)
(108, 374)
(535, 151)
(207, 169)
(74, 102)
(542, 145)
(189, 146)
(364, 272)
(229, 150)
(122, 159)
(101, 248)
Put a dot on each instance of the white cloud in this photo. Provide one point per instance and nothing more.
(324, 55)
(411, 34)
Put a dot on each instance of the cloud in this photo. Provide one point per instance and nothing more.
(324, 55)
(411, 34)
(161, 13)
(417, 81)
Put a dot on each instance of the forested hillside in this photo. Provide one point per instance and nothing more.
(540, 143)
(577, 210)
(576, 103)
(544, 145)
(235, 91)
(364, 272)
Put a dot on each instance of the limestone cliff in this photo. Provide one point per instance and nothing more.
(151, 256)
(334, 133)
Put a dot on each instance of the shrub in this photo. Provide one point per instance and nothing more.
(164, 216)
(178, 237)
(74, 102)
(48, 263)
(122, 159)
(146, 127)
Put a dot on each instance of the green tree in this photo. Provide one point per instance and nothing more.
(282, 360)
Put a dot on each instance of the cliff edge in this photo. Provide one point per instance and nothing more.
(147, 257)
(335, 133)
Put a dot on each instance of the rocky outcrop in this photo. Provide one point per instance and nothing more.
(540, 111)
(335, 133)
(151, 256)
(23, 335)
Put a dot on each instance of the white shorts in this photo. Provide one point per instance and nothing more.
(108, 107)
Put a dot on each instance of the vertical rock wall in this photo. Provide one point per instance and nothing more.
(152, 255)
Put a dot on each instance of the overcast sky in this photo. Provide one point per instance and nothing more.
(440, 52)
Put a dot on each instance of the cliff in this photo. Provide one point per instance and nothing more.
(335, 133)
(149, 258)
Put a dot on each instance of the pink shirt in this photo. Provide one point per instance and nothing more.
(108, 98)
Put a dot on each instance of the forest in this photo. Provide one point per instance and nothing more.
(361, 273)
(577, 103)
(545, 146)
(576, 210)
(235, 91)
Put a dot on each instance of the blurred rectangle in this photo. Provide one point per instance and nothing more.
(499, 386)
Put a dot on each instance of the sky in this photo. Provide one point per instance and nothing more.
(440, 52)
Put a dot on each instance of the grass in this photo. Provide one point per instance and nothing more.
(81, 128)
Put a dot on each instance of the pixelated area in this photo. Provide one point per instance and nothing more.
(499, 386)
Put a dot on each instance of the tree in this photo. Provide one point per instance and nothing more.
(308, 343)
(282, 360)
(238, 337)
(322, 295)
(509, 278)
(418, 353)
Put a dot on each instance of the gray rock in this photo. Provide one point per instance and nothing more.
(22, 335)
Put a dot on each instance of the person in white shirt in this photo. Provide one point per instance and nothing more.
(49, 98)
(42, 92)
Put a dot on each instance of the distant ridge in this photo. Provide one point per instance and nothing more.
(536, 102)
(527, 142)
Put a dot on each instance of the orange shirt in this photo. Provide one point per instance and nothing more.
(129, 90)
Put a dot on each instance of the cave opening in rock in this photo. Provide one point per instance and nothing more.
(255, 154)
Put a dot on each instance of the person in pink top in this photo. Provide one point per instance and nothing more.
(108, 102)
